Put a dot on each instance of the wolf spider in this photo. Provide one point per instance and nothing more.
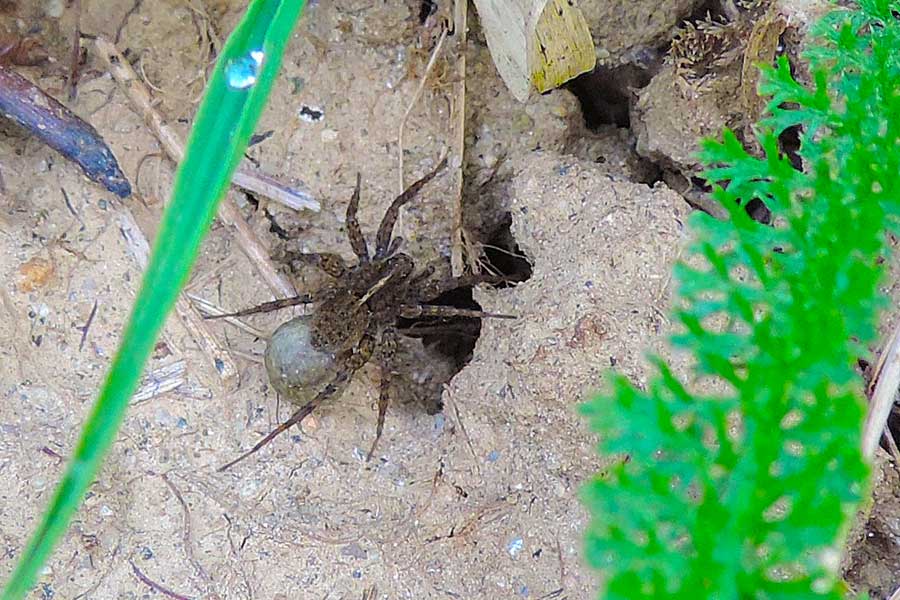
(311, 358)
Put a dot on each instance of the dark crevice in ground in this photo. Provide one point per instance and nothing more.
(453, 339)
(426, 9)
(502, 255)
(713, 9)
(605, 93)
(893, 426)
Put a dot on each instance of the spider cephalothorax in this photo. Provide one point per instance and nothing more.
(354, 318)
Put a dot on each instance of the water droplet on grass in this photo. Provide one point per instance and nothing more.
(241, 73)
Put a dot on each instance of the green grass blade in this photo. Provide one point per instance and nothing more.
(223, 126)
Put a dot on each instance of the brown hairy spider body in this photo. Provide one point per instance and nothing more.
(311, 358)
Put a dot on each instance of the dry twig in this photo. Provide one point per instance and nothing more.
(264, 185)
(211, 310)
(75, 58)
(44, 117)
(164, 379)
(458, 116)
(886, 380)
(448, 399)
(228, 211)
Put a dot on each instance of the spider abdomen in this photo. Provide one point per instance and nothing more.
(297, 369)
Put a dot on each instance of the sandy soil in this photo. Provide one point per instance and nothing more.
(477, 501)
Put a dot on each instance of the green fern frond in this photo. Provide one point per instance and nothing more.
(749, 494)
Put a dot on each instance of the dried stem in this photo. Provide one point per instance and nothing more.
(75, 58)
(886, 380)
(458, 117)
(228, 211)
(264, 185)
(159, 381)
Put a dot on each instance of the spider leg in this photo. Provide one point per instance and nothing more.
(295, 418)
(354, 363)
(433, 289)
(354, 232)
(388, 349)
(266, 307)
(460, 329)
(386, 229)
(432, 310)
(330, 263)
(397, 268)
(395, 246)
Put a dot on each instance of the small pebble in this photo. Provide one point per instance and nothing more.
(515, 546)
(354, 550)
(47, 591)
(54, 8)
(329, 135)
(249, 488)
(297, 83)
(311, 114)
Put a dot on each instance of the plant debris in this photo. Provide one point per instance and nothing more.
(32, 108)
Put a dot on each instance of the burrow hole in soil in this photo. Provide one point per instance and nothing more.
(454, 339)
(893, 427)
(606, 95)
(426, 9)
